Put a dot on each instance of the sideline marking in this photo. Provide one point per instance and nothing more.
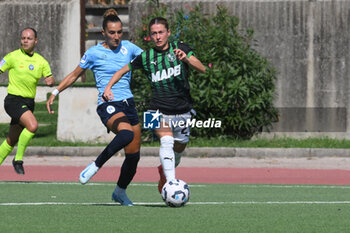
(296, 186)
(191, 185)
(88, 184)
(190, 203)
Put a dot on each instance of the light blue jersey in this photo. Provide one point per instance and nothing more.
(105, 62)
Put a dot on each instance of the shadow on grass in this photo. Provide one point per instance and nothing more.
(158, 205)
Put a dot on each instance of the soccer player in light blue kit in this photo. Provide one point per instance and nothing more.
(118, 115)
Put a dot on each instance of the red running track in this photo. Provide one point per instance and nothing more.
(191, 175)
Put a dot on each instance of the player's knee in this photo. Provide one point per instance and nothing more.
(122, 139)
(126, 136)
(33, 127)
(167, 141)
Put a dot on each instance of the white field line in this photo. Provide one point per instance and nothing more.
(190, 203)
(191, 185)
(296, 186)
(77, 183)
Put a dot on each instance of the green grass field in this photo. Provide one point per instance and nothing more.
(71, 207)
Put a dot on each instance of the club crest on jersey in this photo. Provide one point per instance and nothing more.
(31, 67)
(110, 109)
(166, 73)
(171, 57)
(124, 50)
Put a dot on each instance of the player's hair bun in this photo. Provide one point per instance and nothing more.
(110, 12)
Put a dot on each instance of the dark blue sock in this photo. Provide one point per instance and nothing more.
(122, 139)
(128, 169)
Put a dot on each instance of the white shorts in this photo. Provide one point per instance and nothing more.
(179, 126)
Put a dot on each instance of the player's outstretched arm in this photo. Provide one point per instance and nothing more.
(192, 61)
(196, 64)
(66, 82)
(107, 94)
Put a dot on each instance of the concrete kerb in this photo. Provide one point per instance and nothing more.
(200, 152)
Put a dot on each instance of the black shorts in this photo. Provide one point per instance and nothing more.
(15, 106)
(109, 109)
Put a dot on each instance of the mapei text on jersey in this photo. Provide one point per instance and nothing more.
(166, 73)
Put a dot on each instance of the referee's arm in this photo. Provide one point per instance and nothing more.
(50, 80)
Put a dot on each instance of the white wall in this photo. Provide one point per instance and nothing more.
(70, 48)
(78, 120)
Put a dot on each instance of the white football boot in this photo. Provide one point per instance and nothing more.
(88, 172)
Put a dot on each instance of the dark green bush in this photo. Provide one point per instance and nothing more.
(238, 87)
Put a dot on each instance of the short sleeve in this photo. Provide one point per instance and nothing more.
(46, 69)
(136, 63)
(5, 63)
(187, 49)
(137, 51)
(87, 60)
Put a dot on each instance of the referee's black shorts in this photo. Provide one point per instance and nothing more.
(15, 106)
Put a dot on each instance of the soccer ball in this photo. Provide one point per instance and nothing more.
(175, 193)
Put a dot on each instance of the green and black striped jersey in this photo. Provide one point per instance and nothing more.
(168, 77)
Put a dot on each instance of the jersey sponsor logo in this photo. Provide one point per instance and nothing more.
(2, 62)
(83, 59)
(166, 73)
(124, 50)
(31, 67)
(110, 109)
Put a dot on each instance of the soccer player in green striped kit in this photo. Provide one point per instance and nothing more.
(167, 67)
(25, 68)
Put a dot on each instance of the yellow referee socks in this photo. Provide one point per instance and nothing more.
(5, 150)
(23, 141)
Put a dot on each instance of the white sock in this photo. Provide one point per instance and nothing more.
(167, 157)
(178, 157)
